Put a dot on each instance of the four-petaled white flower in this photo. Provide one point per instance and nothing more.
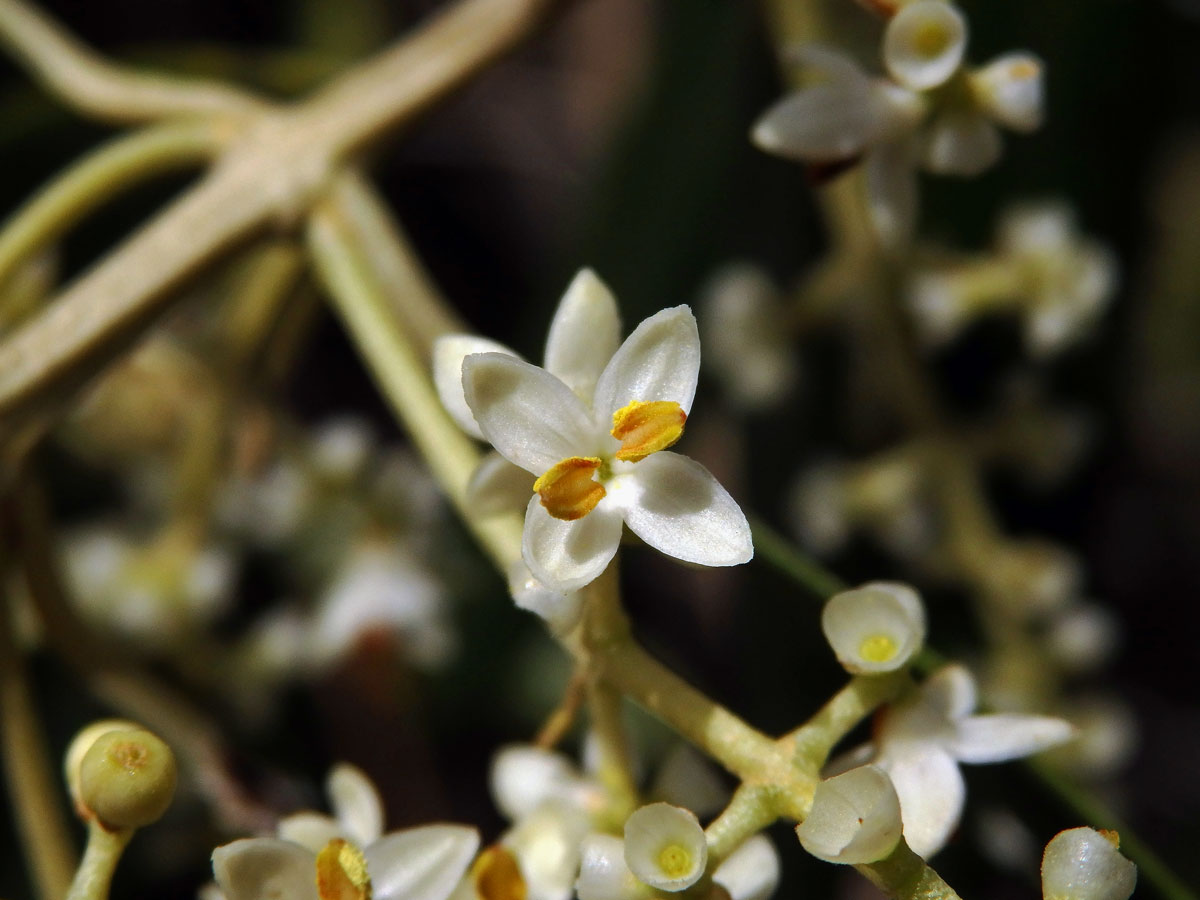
(318, 857)
(594, 427)
(920, 742)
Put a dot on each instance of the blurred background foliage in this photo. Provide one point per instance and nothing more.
(617, 139)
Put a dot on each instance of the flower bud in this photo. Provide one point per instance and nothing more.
(855, 818)
(1009, 89)
(126, 778)
(80, 745)
(924, 44)
(665, 846)
(875, 628)
(1084, 864)
(603, 874)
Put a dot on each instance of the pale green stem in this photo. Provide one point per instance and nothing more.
(95, 87)
(815, 739)
(750, 811)
(104, 849)
(776, 550)
(905, 875)
(32, 782)
(102, 174)
(370, 317)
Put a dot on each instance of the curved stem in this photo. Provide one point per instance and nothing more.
(104, 849)
(98, 177)
(814, 740)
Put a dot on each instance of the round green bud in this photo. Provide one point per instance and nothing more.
(127, 778)
(80, 745)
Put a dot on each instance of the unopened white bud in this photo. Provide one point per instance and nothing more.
(855, 818)
(126, 778)
(603, 874)
(1084, 864)
(1009, 89)
(875, 628)
(924, 44)
(665, 846)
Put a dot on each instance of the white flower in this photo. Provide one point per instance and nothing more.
(319, 857)
(920, 742)
(599, 453)
(746, 339)
(875, 628)
(523, 777)
(1084, 864)
(855, 818)
(924, 44)
(665, 846)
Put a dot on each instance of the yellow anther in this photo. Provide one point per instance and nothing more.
(496, 875)
(643, 428)
(877, 648)
(567, 489)
(675, 861)
(342, 872)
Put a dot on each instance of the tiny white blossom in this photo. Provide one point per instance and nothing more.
(855, 818)
(599, 452)
(875, 628)
(924, 44)
(920, 742)
(665, 846)
(1084, 864)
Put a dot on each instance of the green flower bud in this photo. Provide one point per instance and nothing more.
(127, 778)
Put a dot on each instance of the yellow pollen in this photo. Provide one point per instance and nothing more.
(342, 872)
(643, 428)
(877, 648)
(567, 489)
(496, 875)
(675, 861)
(931, 39)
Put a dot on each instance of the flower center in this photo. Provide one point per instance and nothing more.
(342, 872)
(496, 875)
(644, 427)
(932, 39)
(675, 861)
(877, 648)
(567, 488)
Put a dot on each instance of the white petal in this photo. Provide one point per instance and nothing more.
(498, 486)
(584, 334)
(546, 844)
(564, 556)
(855, 818)
(1010, 90)
(951, 690)
(660, 360)
(310, 829)
(523, 777)
(676, 506)
(961, 143)
(924, 44)
(931, 792)
(751, 872)
(1083, 864)
(823, 123)
(603, 874)
(891, 178)
(356, 803)
(449, 351)
(265, 869)
(531, 417)
(828, 61)
(420, 863)
(560, 609)
(996, 738)
(665, 846)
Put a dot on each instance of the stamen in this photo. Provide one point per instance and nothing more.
(496, 875)
(643, 428)
(342, 872)
(675, 861)
(567, 489)
(877, 648)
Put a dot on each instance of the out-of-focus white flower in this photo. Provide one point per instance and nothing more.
(746, 339)
(1084, 864)
(1108, 736)
(924, 44)
(855, 818)
(345, 856)
(150, 592)
(1030, 577)
(665, 846)
(751, 872)
(523, 777)
(603, 462)
(920, 742)
(875, 628)
(1009, 89)
(1082, 637)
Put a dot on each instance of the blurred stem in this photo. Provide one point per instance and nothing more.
(750, 811)
(604, 621)
(104, 849)
(98, 177)
(777, 551)
(816, 738)
(559, 722)
(41, 824)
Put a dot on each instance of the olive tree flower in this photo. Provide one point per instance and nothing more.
(920, 742)
(596, 439)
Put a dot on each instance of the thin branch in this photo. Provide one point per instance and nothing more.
(93, 86)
